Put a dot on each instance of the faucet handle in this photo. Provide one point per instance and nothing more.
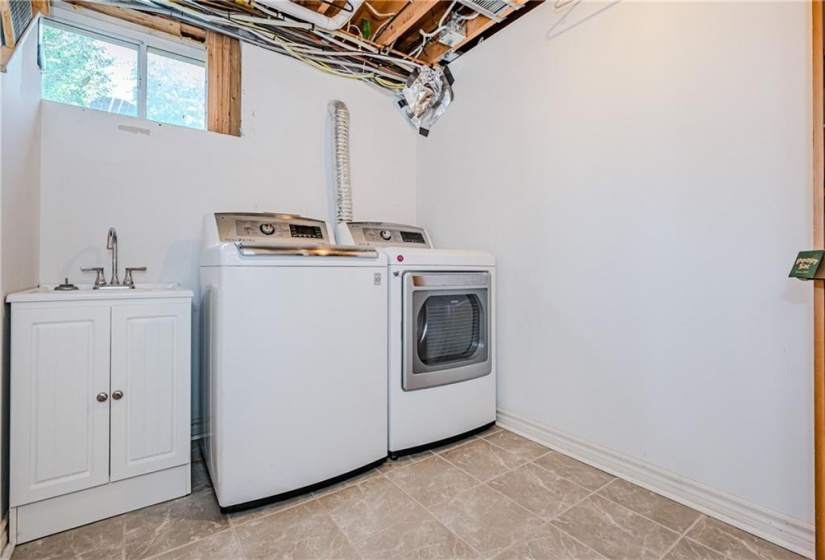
(128, 281)
(101, 278)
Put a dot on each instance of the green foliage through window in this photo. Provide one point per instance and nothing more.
(88, 70)
(176, 91)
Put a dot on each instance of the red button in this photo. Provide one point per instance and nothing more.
(400, 258)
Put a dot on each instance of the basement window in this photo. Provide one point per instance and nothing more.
(122, 71)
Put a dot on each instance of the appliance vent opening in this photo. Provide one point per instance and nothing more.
(21, 15)
(490, 8)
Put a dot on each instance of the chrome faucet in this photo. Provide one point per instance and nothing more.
(100, 279)
(111, 244)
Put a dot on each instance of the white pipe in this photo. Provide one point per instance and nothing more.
(269, 21)
(340, 160)
(311, 16)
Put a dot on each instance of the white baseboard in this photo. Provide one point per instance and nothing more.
(778, 528)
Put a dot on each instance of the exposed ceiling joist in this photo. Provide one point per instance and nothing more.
(383, 42)
(434, 51)
(157, 23)
(405, 20)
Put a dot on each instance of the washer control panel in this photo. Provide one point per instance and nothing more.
(271, 229)
(380, 234)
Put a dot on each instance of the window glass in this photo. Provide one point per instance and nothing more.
(175, 90)
(89, 70)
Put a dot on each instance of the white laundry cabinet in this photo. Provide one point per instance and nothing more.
(100, 405)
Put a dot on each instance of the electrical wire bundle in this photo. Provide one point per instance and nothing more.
(333, 52)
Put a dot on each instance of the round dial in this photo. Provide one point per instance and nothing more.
(267, 229)
(386, 234)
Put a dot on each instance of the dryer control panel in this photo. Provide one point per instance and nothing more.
(271, 229)
(382, 234)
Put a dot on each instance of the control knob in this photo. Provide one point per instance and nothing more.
(386, 234)
(267, 229)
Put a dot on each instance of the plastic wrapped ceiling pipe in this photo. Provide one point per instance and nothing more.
(339, 114)
(311, 16)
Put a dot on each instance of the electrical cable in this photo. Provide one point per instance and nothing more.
(326, 52)
(378, 14)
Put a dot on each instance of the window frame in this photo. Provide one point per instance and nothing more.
(123, 33)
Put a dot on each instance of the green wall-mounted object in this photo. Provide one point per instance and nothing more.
(808, 266)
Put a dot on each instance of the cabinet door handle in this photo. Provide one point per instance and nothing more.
(117, 395)
(102, 397)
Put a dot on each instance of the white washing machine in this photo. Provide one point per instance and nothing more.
(441, 368)
(294, 337)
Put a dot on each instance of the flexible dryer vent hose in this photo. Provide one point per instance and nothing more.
(340, 160)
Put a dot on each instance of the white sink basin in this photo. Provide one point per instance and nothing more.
(87, 292)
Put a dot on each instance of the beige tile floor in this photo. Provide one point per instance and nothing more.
(496, 495)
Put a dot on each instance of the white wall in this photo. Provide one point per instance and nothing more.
(643, 178)
(19, 196)
(155, 185)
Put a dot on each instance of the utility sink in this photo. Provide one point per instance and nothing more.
(87, 292)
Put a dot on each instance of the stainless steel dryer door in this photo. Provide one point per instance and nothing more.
(446, 328)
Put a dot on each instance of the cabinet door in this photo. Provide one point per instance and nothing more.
(59, 429)
(151, 368)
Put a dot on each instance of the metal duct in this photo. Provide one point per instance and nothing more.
(339, 114)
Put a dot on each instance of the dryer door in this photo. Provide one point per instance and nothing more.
(446, 326)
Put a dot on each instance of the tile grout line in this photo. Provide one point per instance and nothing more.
(484, 438)
(459, 467)
(237, 539)
(533, 462)
(475, 480)
(340, 529)
(682, 536)
(643, 516)
(610, 499)
(509, 499)
(565, 533)
(556, 515)
(548, 522)
(427, 510)
(596, 492)
(198, 539)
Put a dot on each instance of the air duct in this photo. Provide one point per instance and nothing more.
(339, 114)
(311, 16)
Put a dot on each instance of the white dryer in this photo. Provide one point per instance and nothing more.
(441, 368)
(294, 337)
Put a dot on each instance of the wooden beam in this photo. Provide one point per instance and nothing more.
(5, 56)
(223, 91)
(391, 7)
(410, 41)
(819, 285)
(158, 23)
(331, 10)
(9, 40)
(41, 6)
(475, 27)
(405, 20)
